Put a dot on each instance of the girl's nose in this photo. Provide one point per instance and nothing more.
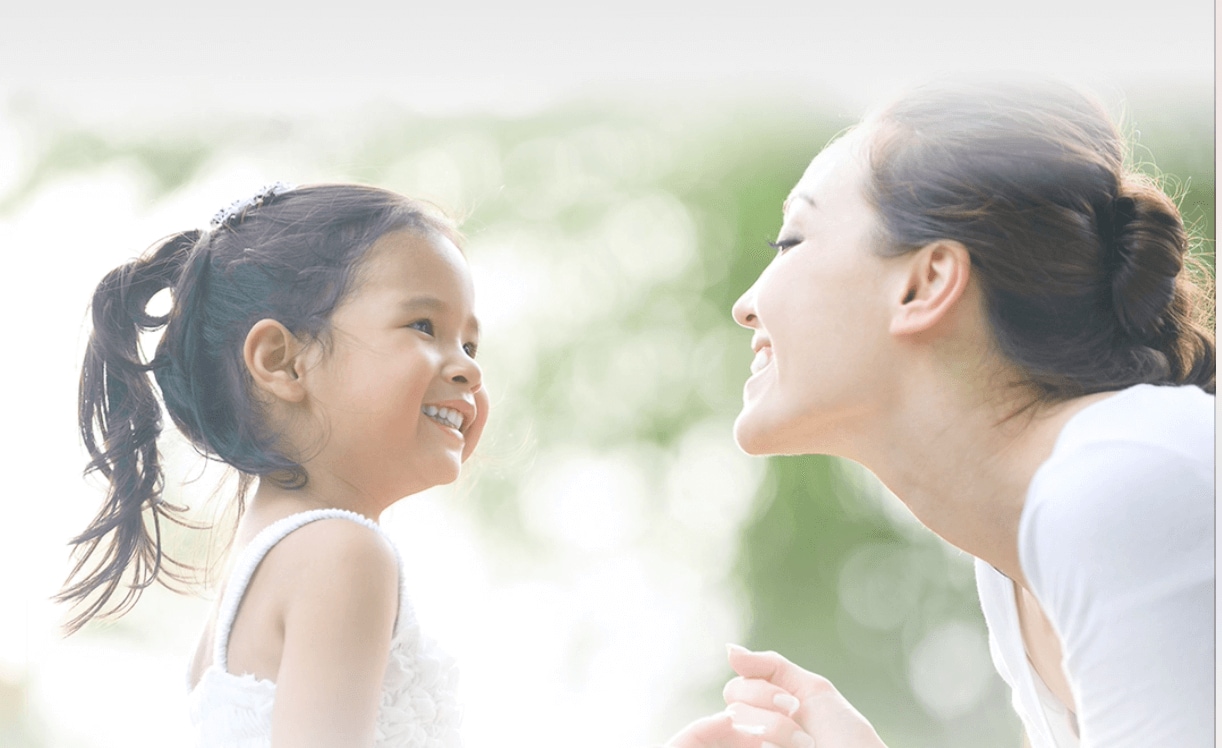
(464, 370)
(744, 309)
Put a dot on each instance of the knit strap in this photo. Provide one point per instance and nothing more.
(253, 555)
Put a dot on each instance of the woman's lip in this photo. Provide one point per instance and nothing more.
(763, 357)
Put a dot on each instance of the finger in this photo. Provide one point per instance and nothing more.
(761, 693)
(770, 725)
(706, 732)
(779, 671)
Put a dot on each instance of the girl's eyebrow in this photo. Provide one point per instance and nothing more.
(426, 302)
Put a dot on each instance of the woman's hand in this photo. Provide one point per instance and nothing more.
(742, 726)
(769, 683)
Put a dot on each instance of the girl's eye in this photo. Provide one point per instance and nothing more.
(423, 325)
(780, 245)
(470, 349)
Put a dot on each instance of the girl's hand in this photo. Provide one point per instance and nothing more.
(742, 726)
(768, 682)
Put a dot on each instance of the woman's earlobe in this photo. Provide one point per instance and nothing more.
(272, 355)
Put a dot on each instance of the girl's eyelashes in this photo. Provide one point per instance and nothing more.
(426, 326)
(780, 245)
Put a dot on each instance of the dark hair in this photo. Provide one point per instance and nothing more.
(289, 256)
(1079, 257)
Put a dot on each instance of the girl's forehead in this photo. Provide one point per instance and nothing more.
(421, 254)
(406, 265)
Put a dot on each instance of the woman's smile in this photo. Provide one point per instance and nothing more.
(763, 358)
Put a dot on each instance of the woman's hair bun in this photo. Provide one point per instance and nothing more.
(1148, 245)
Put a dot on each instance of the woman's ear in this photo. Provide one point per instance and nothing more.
(935, 279)
(273, 357)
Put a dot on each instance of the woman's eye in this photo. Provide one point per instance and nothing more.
(470, 349)
(780, 245)
(423, 325)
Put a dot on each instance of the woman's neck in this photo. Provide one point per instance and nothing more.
(961, 458)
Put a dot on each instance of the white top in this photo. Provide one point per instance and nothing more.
(1116, 540)
(419, 708)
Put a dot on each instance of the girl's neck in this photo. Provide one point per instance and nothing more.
(271, 501)
(961, 458)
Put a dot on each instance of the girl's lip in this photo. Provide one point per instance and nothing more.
(453, 432)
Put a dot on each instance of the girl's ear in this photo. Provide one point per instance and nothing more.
(273, 357)
(935, 279)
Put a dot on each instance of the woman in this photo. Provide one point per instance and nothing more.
(976, 299)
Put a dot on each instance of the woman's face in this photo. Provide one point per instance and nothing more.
(819, 313)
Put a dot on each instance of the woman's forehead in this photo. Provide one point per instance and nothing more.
(835, 168)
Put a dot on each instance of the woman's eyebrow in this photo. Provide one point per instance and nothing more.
(801, 195)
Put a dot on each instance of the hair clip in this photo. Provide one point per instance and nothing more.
(238, 207)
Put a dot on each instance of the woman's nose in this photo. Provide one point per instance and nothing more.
(744, 309)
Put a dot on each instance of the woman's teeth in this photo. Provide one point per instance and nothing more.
(446, 416)
(763, 357)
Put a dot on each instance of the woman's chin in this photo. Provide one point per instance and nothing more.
(752, 437)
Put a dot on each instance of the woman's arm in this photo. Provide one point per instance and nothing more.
(341, 602)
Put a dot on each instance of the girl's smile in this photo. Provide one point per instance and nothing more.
(397, 394)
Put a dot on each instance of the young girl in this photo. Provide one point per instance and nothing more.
(322, 343)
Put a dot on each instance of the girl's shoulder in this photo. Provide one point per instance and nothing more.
(315, 563)
(317, 547)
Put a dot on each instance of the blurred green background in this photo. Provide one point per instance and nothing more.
(609, 537)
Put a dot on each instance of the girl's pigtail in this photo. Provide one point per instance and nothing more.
(120, 420)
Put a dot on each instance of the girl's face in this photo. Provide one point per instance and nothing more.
(398, 392)
(819, 315)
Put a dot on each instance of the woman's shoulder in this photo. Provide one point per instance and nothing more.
(1179, 419)
(1127, 490)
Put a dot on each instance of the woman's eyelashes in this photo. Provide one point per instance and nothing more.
(780, 245)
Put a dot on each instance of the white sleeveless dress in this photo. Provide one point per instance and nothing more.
(419, 706)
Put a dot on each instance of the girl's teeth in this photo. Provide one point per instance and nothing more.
(447, 416)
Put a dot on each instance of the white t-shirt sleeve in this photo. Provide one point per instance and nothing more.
(1117, 545)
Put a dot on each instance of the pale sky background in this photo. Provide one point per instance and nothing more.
(118, 59)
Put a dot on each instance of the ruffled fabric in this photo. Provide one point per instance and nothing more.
(234, 711)
(419, 706)
(419, 694)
